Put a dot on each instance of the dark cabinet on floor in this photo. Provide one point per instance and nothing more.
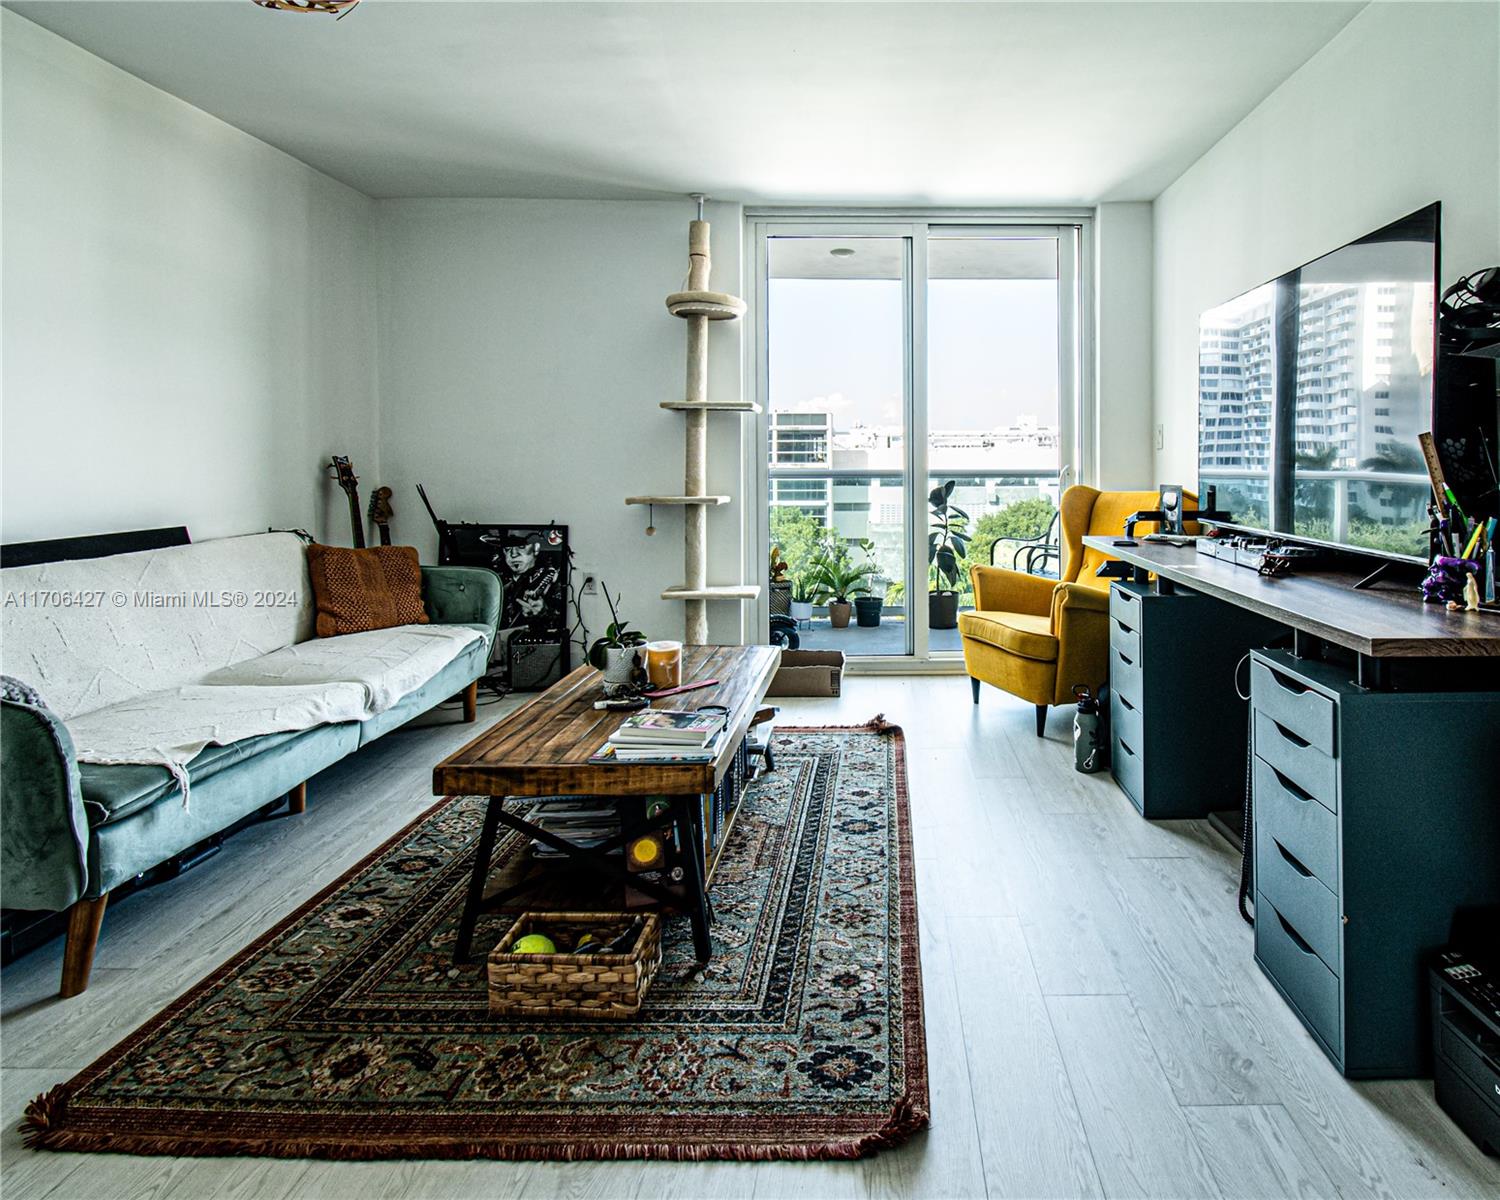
(1377, 817)
(1173, 655)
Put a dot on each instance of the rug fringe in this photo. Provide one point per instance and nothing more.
(40, 1131)
(42, 1116)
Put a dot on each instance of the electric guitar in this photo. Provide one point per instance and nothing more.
(343, 471)
(381, 513)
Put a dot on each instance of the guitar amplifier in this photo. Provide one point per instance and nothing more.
(534, 664)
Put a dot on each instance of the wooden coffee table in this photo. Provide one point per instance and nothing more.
(543, 748)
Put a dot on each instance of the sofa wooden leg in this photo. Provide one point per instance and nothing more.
(1041, 720)
(471, 702)
(296, 799)
(974, 683)
(84, 919)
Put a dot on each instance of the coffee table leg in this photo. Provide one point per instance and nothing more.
(686, 809)
(477, 879)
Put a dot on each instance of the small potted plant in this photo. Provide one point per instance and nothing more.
(867, 607)
(947, 543)
(804, 596)
(839, 581)
(616, 654)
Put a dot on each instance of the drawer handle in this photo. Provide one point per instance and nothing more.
(1124, 658)
(1124, 628)
(1301, 743)
(1292, 860)
(1291, 788)
(1295, 936)
(1124, 702)
(1286, 683)
(1127, 749)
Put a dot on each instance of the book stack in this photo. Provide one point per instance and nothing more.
(664, 736)
(582, 820)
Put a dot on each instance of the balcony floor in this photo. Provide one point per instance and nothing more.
(887, 638)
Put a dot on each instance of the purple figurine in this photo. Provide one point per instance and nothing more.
(1445, 580)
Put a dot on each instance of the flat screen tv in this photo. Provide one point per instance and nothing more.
(1312, 389)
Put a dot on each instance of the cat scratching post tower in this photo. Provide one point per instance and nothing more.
(698, 306)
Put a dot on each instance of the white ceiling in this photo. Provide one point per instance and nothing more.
(1013, 104)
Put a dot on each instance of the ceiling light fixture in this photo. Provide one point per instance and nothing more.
(841, 252)
(337, 7)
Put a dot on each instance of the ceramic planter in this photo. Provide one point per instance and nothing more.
(801, 610)
(838, 613)
(942, 610)
(867, 610)
(619, 666)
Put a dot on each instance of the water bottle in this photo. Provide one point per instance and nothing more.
(1090, 751)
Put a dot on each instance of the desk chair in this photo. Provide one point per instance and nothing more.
(1037, 638)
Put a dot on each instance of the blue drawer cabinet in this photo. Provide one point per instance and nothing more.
(1173, 654)
(1377, 816)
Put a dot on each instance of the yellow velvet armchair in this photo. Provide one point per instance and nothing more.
(1037, 638)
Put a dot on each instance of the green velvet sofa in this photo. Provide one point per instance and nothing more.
(70, 832)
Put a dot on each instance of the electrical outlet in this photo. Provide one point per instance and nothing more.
(590, 586)
(1161, 437)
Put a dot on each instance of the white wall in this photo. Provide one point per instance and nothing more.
(189, 313)
(524, 350)
(1401, 108)
(1122, 331)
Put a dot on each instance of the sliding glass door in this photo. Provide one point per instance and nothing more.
(892, 360)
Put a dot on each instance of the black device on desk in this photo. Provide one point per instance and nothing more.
(1466, 1027)
(1172, 516)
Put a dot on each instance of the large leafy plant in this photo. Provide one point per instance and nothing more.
(948, 540)
(837, 579)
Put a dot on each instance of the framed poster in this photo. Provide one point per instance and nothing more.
(532, 650)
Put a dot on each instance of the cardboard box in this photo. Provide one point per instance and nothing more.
(808, 673)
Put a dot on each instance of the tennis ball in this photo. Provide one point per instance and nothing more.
(534, 943)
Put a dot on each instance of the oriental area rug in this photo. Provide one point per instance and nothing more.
(347, 1032)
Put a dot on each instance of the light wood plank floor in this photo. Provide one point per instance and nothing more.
(1096, 1025)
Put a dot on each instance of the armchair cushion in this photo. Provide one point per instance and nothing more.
(1025, 634)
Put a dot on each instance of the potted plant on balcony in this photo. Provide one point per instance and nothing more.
(947, 543)
(867, 607)
(615, 655)
(839, 581)
(804, 595)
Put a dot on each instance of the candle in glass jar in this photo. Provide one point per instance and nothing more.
(664, 664)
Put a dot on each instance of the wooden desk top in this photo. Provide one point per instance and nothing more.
(543, 748)
(1388, 620)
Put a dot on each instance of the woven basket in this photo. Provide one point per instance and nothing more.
(580, 986)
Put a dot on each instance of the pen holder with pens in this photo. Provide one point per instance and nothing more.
(1461, 559)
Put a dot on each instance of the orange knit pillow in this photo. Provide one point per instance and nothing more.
(356, 590)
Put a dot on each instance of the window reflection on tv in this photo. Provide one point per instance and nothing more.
(1314, 387)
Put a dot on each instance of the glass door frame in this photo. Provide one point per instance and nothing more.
(1073, 230)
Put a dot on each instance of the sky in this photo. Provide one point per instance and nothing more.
(992, 350)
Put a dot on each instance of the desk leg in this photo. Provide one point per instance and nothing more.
(686, 809)
(477, 880)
